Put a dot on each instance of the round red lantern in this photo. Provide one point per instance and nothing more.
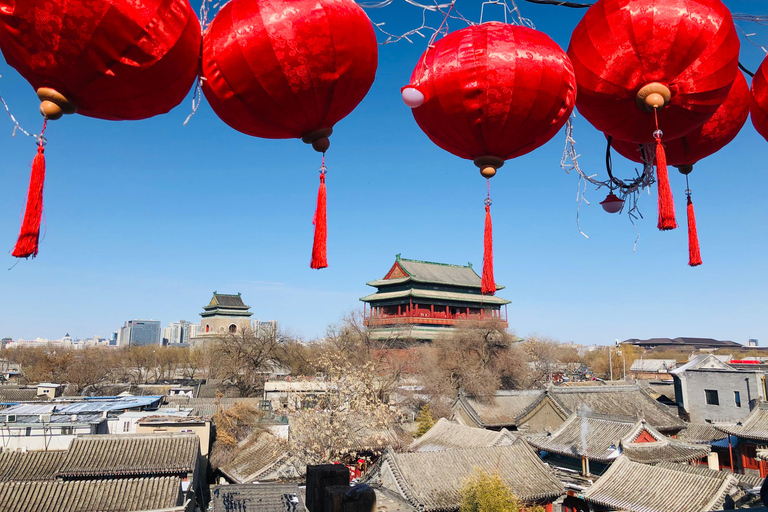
(493, 92)
(680, 56)
(759, 99)
(281, 69)
(107, 59)
(489, 93)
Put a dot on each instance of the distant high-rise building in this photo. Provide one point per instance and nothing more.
(139, 332)
(752, 342)
(113, 340)
(180, 332)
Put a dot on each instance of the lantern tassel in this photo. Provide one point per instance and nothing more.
(694, 254)
(29, 235)
(488, 284)
(319, 256)
(666, 201)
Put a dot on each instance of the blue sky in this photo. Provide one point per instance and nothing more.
(146, 219)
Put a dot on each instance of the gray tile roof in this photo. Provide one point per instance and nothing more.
(745, 481)
(431, 481)
(635, 487)
(447, 435)
(754, 426)
(628, 401)
(29, 466)
(652, 365)
(129, 456)
(257, 498)
(120, 495)
(226, 300)
(502, 409)
(604, 438)
(264, 458)
(700, 433)
(8, 394)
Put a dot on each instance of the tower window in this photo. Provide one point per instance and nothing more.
(232, 328)
(711, 396)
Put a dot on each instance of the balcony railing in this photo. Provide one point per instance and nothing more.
(427, 316)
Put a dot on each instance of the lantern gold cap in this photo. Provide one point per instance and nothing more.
(488, 165)
(653, 96)
(53, 104)
(319, 139)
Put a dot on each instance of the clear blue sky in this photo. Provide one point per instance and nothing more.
(146, 219)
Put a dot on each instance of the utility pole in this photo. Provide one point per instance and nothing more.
(610, 361)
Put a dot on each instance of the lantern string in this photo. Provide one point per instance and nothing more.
(628, 190)
(205, 10)
(16, 126)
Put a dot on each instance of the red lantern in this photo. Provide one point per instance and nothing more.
(705, 140)
(492, 92)
(759, 101)
(644, 66)
(281, 69)
(109, 59)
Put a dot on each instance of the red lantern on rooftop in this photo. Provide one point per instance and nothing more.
(652, 68)
(759, 99)
(281, 69)
(492, 92)
(705, 140)
(109, 59)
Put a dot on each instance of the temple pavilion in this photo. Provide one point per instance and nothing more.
(419, 300)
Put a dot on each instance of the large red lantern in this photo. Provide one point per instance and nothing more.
(489, 93)
(109, 59)
(282, 69)
(683, 153)
(759, 101)
(644, 66)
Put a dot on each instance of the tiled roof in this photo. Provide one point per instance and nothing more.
(652, 365)
(635, 487)
(700, 433)
(262, 457)
(627, 401)
(503, 409)
(604, 438)
(257, 498)
(447, 435)
(745, 481)
(29, 466)
(431, 481)
(128, 456)
(19, 394)
(221, 299)
(119, 495)
(754, 426)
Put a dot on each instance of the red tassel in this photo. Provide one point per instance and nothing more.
(488, 284)
(29, 235)
(319, 257)
(666, 202)
(694, 255)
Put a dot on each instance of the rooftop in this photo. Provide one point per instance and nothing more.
(635, 487)
(257, 498)
(119, 495)
(754, 426)
(107, 455)
(30, 466)
(405, 270)
(447, 435)
(683, 342)
(262, 457)
(431, 481)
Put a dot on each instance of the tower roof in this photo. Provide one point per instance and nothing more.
(419, 271)
(226, 305)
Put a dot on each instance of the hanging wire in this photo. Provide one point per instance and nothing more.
(628, 190)
(205, 16)
(16, 126)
